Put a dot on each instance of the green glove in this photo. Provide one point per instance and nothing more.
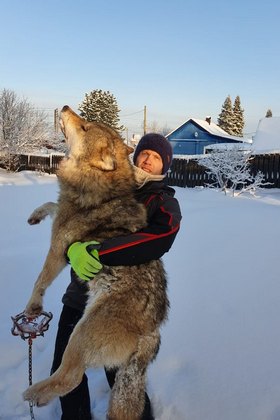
(84, 259)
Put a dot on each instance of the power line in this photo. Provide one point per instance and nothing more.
(133, 113)
(44, 109)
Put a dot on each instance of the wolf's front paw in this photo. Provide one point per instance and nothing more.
(33, 309)
(40, 213)
(36, 217)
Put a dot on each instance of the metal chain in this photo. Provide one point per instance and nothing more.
(30, 375)
(30, 328)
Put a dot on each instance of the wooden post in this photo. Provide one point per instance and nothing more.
(56, 120)
(145, 119)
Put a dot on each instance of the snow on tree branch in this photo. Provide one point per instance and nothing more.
(101, 106)
(229, 169)
(231, 118)
(22, 128)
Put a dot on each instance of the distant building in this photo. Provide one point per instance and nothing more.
(134, 140)
(194, 135)
(267, 137)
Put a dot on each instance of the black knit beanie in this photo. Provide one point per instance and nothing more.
(157, 143)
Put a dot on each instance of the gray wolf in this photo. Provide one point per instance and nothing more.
(126, 306)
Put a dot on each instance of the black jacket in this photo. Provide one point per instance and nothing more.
(163, 215)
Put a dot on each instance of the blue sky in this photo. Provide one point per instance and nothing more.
(180, 58)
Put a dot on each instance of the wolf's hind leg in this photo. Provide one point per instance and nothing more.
(87, 347)
(64, 379)
(128, 394)
(69, 374)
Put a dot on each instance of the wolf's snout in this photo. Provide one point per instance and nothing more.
(65, 108)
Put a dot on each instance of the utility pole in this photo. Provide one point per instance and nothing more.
(145, 119)
(56, 120)
(126, 129)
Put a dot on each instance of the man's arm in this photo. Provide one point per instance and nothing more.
(148, 244)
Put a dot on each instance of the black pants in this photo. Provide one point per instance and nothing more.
(76, 404)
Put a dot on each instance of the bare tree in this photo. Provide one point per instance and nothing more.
(22, 128)
(55, 142)
(165, 130)
(230, 170)
(154, 127)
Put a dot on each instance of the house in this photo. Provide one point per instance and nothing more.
(267, 137)
(192, 137)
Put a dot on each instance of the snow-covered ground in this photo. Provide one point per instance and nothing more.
(219, 358)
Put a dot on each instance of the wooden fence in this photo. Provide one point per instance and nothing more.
(47, 164)
(188, 173)
(183, 173)
(43, 163)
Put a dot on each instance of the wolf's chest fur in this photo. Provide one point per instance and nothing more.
(86, 219)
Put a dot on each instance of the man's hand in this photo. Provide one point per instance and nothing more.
(84, 259)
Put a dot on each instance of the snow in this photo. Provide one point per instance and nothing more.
(219, 358)
(267, 137)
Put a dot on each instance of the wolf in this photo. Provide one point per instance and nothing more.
(126, 306)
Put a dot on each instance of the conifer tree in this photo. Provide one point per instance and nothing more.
(268, 113)
(225, 119)
(101, 106)
(237, 118)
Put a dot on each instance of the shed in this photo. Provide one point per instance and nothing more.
(194, 135)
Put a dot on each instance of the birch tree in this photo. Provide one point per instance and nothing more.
(22, 128)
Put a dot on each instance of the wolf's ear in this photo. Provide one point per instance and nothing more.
(85, 125)
(129, 150)
(106, 161)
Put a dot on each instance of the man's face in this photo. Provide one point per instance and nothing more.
(149, 161)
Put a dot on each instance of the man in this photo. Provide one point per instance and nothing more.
(152, 159)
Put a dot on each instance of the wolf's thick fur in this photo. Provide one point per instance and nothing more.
(126, 305)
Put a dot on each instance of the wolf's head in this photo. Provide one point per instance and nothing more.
(93, 143)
